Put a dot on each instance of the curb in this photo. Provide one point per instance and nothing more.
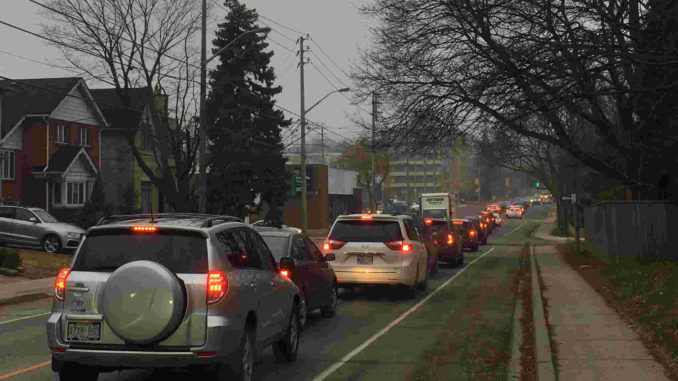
(25, 298)
(545, 368)
(514, 369)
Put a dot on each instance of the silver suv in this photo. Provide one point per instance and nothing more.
(34, 227)
(171, 290)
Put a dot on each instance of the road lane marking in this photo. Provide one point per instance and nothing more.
(395, 322)
(515, 229)
(20, 371)
(24, 318)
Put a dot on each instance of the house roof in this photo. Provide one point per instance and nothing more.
(115, 113)
(62, 158)
(30, 96)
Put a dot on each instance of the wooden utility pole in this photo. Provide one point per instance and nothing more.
(374, 154)
(304, 205)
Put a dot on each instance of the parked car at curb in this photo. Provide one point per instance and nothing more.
(171, 290)
(308, 268)
(379, 249)
(34, 227)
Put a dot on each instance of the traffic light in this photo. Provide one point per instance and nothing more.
(538, 184)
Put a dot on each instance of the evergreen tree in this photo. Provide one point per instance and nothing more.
(95, 208)
(245, 150)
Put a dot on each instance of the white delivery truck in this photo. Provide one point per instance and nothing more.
(437, 205)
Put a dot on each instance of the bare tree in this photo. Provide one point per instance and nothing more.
(141, 43)
(470, 65)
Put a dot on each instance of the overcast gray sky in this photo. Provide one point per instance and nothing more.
(336, 27)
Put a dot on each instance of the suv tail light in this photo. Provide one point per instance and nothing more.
(60, 284)
(217, 285)
(333, 245)
(472, 233)
(399, 246)
(450, 239)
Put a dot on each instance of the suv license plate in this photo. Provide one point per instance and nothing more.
(84, 331)
(365, 260)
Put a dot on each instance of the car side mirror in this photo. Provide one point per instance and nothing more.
(287, 263)
(329, 257)
(34, 220)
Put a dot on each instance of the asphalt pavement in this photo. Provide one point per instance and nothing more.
(365, 325)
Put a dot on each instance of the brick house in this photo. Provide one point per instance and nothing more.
(50, 133)
(121, 173)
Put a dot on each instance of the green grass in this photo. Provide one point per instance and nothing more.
(646, 289)
(559, 233)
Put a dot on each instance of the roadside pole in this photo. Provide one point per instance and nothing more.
(304, 205)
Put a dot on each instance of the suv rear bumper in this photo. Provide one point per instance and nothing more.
(222, 338)
(405, 276)
(448, 253)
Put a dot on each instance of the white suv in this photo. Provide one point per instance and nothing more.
(378, 249)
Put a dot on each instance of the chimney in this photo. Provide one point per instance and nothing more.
(161, 100)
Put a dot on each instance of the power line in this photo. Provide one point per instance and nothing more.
(328, 69)
(281, 25)
(281, 45)
(330, 82)
(330, 58)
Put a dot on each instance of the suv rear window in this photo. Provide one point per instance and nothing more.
(366, 231)
(180, 251)
(439, 226)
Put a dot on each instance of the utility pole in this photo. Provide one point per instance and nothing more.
(304, 205)
(322, 141)
(202, 198)
(374, 147)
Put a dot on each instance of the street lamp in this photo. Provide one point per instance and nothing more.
(304, 201)
(202, 143)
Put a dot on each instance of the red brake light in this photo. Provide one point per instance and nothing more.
(217, 285)
(285, 273)
(428, 221)
(472, 233)
(145, 229)
(60, 284)
(366, 217)
(458, 222)
(399, 246)
(450, 239)
(333, 245)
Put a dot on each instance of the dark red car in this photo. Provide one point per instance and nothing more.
(311, 271)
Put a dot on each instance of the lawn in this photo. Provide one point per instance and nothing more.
(39, 264)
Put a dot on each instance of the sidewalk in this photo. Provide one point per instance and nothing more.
(14, 291)
(592, 342)
(544, 229)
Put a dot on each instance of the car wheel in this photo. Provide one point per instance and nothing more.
(51, 244)
(485, 241)
(460, 260)
(285, 349)
(330, 309)
(436, 266)
(475, 248)
(241, 366)
(424, 283)
(75, 372)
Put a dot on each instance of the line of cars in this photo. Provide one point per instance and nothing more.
(209, 292)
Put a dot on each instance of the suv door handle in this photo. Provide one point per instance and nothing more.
(78, 289)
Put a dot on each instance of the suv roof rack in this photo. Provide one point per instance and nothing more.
(209, 218)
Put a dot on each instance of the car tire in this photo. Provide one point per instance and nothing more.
(436, 266)
(329, 310)
(460, 260)
(71, 371)
(475, 248)
(424, 283)
(285, 349)
(241, 365)
(51, 244)
(485, 241)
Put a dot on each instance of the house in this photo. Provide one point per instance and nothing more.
(126, 185)
(49, 143)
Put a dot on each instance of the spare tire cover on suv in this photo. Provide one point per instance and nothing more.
(143, 302)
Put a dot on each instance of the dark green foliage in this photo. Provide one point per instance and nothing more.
(9, 258)
(245, 152)
(95, 208)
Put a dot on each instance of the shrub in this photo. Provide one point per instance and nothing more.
(9, 258)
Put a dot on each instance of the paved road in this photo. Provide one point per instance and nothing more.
(24, 354)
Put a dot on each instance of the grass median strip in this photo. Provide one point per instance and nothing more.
(463, 332)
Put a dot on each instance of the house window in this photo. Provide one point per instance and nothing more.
(56, 193)
(146, 197)
(62, 134)
(78, 192)
(85, 137)
(8, 164)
